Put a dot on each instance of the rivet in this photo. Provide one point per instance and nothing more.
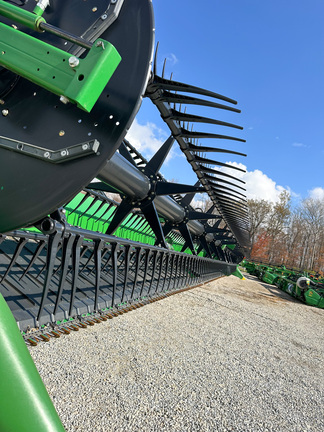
(85, 147)
(47, 155)
(5, 112)
(94, 9)
(62, 132)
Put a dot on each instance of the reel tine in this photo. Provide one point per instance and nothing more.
(188, 134)
(165, 84)
(172, 97)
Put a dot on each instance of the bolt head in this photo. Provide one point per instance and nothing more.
(74, 61)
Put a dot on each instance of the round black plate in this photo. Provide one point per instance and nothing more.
(31, 188)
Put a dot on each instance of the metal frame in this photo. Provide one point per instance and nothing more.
(72, 271)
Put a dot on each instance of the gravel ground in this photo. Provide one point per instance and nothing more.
(231, 355)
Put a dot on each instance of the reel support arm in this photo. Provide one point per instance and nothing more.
(76, 80)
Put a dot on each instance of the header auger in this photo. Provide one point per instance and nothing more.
(72, 78)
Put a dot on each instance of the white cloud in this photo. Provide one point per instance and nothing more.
(297, 144)
(147, 139)
(258, 185)
(317, 193)
(172, 58)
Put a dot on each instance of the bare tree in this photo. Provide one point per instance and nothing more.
(259, 211)
(294, 237)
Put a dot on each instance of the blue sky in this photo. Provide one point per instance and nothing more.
(269, 56)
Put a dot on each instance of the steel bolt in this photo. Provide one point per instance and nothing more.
(64, 99)
(74, 61)
(100, 44)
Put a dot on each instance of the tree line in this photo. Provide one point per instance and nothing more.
(283, 234)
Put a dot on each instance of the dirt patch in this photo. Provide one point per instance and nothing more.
(248, 290)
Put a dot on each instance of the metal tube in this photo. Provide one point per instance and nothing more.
(44, 26)
(125, 177)
(129, 180)
(21, 16)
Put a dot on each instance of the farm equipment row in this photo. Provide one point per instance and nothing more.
(305, 286)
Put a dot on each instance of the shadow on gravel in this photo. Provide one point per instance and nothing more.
(273, 290)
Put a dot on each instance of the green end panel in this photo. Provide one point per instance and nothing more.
(313, 298)
(49, 67)
(93, 74)
(238, 273)
(25, 405)
(269, 278)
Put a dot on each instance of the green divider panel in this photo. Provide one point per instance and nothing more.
(238, 273)
(25, 405)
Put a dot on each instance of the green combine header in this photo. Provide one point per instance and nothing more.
(305, 286)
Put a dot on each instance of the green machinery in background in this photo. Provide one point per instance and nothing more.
(287, 280)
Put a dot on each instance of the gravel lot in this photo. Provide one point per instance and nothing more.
(230, 355)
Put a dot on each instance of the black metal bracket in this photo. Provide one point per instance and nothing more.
(58, 156)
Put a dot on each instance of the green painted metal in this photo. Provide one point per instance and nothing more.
(81, 81)
(38, 10)
(269, 277)
(83, 217)
(21, 16)
(25, 405)
(286, 280)
(238, 273)
(315, 298)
